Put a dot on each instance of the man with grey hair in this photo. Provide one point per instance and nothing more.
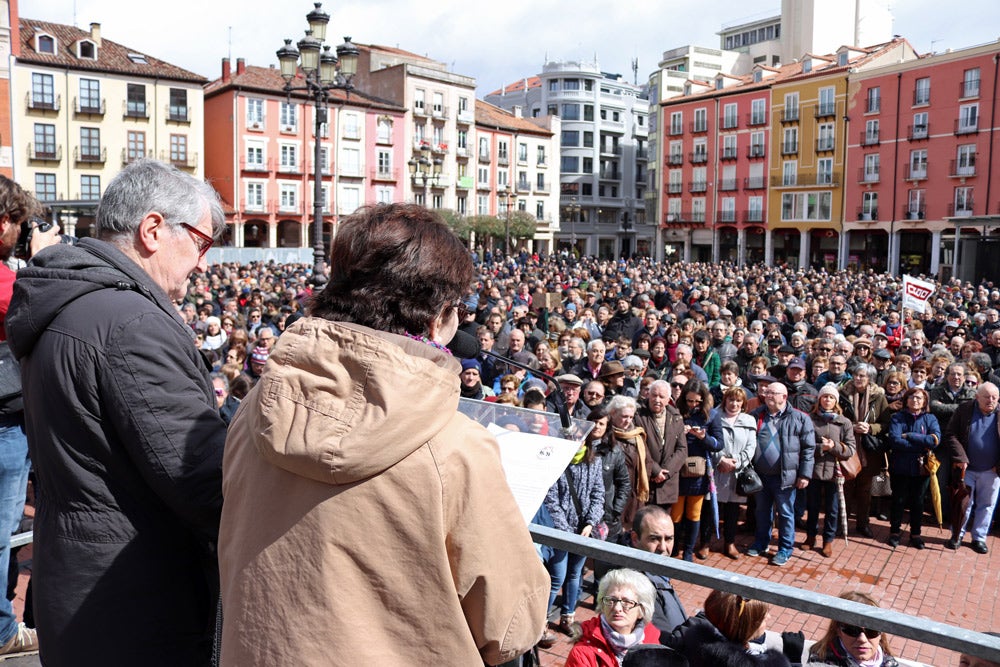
(125, 436)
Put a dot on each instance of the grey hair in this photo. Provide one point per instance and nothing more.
(632, 361)
(867, 369)
(619, 403)
(660, 384)
(147, 185)
(593, 343)
(637, 581)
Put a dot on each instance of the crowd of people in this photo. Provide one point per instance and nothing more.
(839, 399)
(722, 397)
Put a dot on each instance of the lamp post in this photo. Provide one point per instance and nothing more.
(574, 211)
(322, 71)
(507, 195)
(425, 171)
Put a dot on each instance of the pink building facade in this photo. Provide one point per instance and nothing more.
(259, 148)
(923, 160)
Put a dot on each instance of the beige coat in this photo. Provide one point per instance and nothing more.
(367, 523)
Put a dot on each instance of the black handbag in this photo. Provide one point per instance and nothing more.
(748, 481)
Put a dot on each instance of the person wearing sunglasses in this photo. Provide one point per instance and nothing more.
(113, 378)
(626, 600)
(846, 645)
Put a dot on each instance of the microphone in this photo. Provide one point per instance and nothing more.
(464, 346)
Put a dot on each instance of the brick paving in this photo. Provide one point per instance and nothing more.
(958, 588)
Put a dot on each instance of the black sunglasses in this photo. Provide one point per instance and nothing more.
(855, 631)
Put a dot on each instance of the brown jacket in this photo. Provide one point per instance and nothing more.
(666, 453)
(841, 431)
(366, 521)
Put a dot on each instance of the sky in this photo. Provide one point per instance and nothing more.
(495, 42)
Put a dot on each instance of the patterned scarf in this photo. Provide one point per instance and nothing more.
(638, 434)
(620, 643)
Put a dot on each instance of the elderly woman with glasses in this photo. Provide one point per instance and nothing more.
(626, 600)
(846, 645)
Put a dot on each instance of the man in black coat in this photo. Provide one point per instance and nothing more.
(125, 436)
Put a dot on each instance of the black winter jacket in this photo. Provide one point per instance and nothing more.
(127, 446)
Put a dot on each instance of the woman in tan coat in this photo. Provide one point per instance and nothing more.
(356, 495)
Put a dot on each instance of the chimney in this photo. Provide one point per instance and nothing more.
(225, 70)
(95, 33)
(241, 66)
(517, 111)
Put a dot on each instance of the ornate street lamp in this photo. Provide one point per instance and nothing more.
(425, 171)
(322, 71)
(574, 212)
(507, 195)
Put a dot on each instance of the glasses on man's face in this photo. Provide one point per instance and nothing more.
(611, 603)
(855, 631)
(202, 240)
(509, 387)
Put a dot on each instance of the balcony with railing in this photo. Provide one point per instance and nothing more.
(89, 106)
(180, 160)
(824, 144)
(868, 175)
(725, 217)
(543, 188)
(484, 156)
(289, 207)
(968, 88)
(867, 214)
(463, 152)
(675, 130)
(131, 109)
(756, 120)
(756, 151)
(728, 184)
(913, 212)
(90, 155)
(503, 160)
(384, 138)
(440, 111)
(42, 102)
(698, 186)
(967, 126)
(251, 206)
(385, 174)
(785, 181)
(675, 159)
(685, 217)
(916, 172)
(729, 122)
(130, 156)
(698, 157)
(728, 153)
(918, 132)
(754, 183)
(826, 110)
(45, 152)
(756, 215)
(790, 115)
(465, 117)
(258, 166)
(961, 210)
(698, 126)
(349, 170)
(963, 168)
(289, 167)
(610, 175)
(921, 97)
(420, 109)
(523, 187)
(178, 114)
(611, 149)
(675, 188)
(789, 147)
(870, 138)
(642, 154)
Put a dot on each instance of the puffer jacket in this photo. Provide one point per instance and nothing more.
(910, 438)
(841, 431)
(127, 442)
(358, 496)
(797, 439)
(617, 485)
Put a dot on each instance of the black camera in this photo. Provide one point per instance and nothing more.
(22, 249)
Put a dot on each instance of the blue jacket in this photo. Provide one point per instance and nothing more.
(797, 439)
(922, 434)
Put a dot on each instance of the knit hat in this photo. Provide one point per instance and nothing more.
(829, 388)
(472, 363)
(260, 354)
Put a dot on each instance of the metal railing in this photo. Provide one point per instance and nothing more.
(903, 625)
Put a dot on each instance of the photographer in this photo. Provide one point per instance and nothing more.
(18, 211)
